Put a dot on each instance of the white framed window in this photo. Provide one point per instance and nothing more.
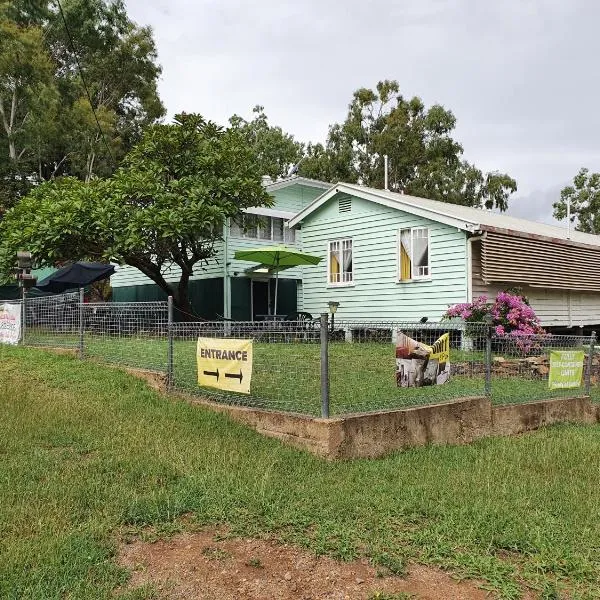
(413, 251)
(258, 227)
(340, 268)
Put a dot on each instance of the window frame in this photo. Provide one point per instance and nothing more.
(259, 228)
(413, 277)
(340, 251)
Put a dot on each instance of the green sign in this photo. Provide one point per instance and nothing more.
(566, 369)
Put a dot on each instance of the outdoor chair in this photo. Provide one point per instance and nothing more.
(301, 325)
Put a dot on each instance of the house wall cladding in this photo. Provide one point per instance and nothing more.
(206, 296)
(290, 199)
(376, 293)
(554, 307)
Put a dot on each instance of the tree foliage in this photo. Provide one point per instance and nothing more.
(424, 159)
(162, 211)
(274, 150)
(47, 123)
(584, 196)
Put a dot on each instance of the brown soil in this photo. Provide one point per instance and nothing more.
(205, 566)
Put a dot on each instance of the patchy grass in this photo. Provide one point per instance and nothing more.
(90, 455)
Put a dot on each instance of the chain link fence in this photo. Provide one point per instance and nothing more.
(315, 367)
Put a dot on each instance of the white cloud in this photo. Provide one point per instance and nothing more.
(520, 76)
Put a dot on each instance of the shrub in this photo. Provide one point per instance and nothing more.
(509, 314)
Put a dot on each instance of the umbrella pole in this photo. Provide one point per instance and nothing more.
(276, 286)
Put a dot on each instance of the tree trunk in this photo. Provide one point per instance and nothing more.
(181, 297)
(179, 291)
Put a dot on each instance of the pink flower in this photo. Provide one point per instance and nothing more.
(500, 330)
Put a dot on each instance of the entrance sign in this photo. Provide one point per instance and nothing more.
(418, 364)
(10, 323)
(566, 369)
(225, 364)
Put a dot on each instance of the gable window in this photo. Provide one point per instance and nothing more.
(258, 227)
(414, 253)
(340, 262)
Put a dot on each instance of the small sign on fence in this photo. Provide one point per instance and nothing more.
(566, 369)
(10, 323)
(225, 363)
(418, 364)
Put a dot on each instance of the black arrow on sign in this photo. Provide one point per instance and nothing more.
(232, 376)
(213, 373)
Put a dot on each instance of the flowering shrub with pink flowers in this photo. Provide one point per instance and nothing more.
(509, 314)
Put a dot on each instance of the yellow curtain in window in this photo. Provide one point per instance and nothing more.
(405, 266)
(334, 268)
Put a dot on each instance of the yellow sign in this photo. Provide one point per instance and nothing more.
(566, 369)
(225, 364)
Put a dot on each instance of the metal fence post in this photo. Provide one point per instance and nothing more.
(170, 342)
(590, 364)
(81, 326)
(325, 365)
(488, 362)
(23, 314)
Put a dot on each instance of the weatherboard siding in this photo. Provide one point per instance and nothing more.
(295, 197)
(555, 308)
(291, 199)
(376, 293)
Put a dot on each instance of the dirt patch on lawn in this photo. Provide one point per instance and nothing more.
(208, 566)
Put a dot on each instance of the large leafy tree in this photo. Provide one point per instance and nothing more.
(424, 158)
(52, 124)
(275, 151)
(162, 211)
(584, 197)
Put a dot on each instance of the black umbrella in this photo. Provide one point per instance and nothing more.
(77, 275)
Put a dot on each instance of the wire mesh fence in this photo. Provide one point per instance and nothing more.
(373, 367)
(320, 367)
(285, 369)
(521, 367)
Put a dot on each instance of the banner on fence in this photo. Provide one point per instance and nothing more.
(10, 323)
(566, 369)
(418, 364)
(225, 363)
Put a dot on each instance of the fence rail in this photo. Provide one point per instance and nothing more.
(315, 367)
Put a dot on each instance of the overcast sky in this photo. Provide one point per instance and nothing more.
(521, 76)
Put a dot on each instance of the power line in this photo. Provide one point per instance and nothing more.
(87, 91)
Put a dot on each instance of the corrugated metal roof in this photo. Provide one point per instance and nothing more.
(477, 216)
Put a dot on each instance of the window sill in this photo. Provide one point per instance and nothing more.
(420, 279)
(341, 285)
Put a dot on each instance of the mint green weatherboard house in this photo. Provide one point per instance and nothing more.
(389, 256)
(396, 257)
(232, 288)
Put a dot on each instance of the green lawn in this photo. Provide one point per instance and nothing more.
(90, 454)
(287, 376)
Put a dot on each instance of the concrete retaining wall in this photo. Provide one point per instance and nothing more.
(372, 435)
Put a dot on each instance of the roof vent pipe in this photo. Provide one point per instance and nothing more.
(385, 172)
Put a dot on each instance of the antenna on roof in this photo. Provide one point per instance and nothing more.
(568, 218)
(295, 168)
(385, 172)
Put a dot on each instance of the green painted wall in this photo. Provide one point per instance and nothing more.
(206, 296)
(295, 197)
(377, 295)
